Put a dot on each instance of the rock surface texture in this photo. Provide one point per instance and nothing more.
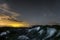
(33, 33)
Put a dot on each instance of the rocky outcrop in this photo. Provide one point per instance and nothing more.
(36, 32)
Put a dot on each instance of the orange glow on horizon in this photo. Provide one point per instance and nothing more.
(10, 23)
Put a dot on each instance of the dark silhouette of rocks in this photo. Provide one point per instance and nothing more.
(36, 32)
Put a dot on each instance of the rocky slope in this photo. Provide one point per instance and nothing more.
(36, 32)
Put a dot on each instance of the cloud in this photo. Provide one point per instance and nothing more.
(7, 10)
(4, 5)
(10, 23)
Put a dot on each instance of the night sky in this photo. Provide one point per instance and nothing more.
(36, 11)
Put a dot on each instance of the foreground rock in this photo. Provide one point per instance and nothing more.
(36, 32)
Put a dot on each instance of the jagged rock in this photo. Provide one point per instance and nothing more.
(33, 33)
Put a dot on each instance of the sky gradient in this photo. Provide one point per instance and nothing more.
(36, 12)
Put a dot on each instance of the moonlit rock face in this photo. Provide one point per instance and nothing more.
(3, 33)
(34, 33)
(23, 37)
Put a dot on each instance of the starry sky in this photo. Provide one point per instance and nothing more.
(36, 11)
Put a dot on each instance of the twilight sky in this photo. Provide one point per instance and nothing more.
(35, 11)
